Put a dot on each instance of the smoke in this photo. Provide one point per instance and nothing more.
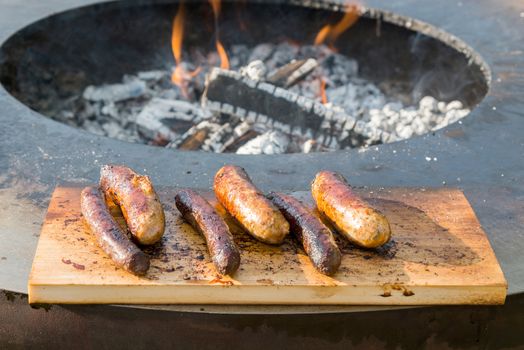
(440, 71)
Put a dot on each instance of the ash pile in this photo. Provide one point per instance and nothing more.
(273, 99)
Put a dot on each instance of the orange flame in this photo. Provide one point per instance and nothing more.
(216, 5)
(323, 95)
(180, 76)
(176, 44)
(224, 60)
(330, 32)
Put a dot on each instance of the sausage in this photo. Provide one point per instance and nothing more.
(316, 238)
(109, 235)
(138, 201)
(202, 216)
(235, 191)
(350, 214)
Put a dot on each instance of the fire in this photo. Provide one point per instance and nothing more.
(178, 34)
(330, 32)
(180, 76)
(224, 60)
(323, 95)
(216, 5)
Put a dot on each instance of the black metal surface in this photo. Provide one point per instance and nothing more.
(484, 156)
(112, 327)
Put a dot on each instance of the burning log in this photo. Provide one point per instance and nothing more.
(293, 72)
(261, 102)
(241, 140)
(242, 133)
(194, 140)
(213, 136)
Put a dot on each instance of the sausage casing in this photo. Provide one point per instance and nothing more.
(235, 191)
(350, 214)
(109, 235)
(202, 216)
(138, 201)
(316, 238)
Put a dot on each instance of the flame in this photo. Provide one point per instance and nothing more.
(330, 32)
(323, 95)
(176, 45)
(216, 5)
(180, 76)
(322, 34)
(224, 60)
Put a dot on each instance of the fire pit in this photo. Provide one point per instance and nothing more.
(481, 154)
(203, 76)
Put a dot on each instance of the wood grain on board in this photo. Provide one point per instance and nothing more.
(438, 254)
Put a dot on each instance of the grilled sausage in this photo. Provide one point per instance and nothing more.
(202, 216)
(316, 238)
(235, 191)
(138, 201)
(109, 235)
(349, 213)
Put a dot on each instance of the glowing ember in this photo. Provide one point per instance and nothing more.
(330, 32)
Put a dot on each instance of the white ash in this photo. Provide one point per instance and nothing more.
(255, 70)
(370, 105)
(115, 92)
(311, 145)
(147, 108)
(155, 119)
(214, 142)
(261, 52)
(271, 142)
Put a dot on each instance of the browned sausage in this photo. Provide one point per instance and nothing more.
(109, 235)
(316, 238)
(203, 217)
(138, 201)
(349, 213)
(235, 191)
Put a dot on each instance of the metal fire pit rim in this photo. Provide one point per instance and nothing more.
(391, 17)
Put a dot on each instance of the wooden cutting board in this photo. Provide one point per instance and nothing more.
(439, 254)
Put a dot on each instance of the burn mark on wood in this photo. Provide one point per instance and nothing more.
(75, 265)
(407, 293)
(79, 266)
(265, 281)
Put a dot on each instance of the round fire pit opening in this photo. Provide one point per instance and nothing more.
(250, 77)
